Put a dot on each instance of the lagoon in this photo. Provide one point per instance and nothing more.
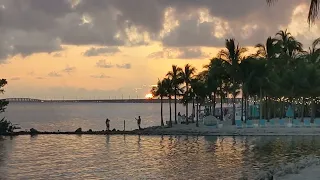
(70, 116)
(147, 157)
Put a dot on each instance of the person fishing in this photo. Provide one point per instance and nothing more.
(139, 122)
(108, 124)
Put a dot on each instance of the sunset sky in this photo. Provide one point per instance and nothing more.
(54, 49)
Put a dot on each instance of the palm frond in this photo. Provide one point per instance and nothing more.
(313, 11)
(271, 1)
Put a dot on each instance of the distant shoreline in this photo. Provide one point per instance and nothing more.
(30, 100)
(189, 130)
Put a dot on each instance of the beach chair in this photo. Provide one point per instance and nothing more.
(238, 123)
(317, 122)
(249, 124)
(296, 123)
(272, 123)
(281, 122)
(307, 123)
(262, 123)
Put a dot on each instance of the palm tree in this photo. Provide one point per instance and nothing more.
(168, 86)
(289, 45)
(187, 75)
(175, 75)
(269, 52)
(3, 103)
(233, 54)
(312, 58)
(313, 9)
(216, 76)
(160, 91)
(199, 92)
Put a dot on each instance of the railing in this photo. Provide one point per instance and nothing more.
(22, 100)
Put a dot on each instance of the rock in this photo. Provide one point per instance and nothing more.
(79, 130)
(90, 130)
(210, 121)
(33, 131)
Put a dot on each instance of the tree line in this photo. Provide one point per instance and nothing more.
(280, 73)
(5, 125)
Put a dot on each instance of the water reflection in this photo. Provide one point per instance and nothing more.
(147, 157)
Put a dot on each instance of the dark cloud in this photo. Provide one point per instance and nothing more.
(54, 74)
(58, 54)
(42, 26)
(124, 66)
(179, 53)
(15, 78)
(101, 51)
(100, 76)
(69, 69)
(191, 53)
(31, 73)
(103, 64)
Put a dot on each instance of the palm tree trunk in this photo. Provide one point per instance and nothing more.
(175, 105)
(313, 110)
(234, 108)
(214, 104)
(197, 116)
(267, 108)
(170, 118)
(283, 109)
(260, 108)
(193, 109)
(221, 108)
(242, 107)
(302, 109)
(161, 110)
(274, 109)
(187, 118)
(245, 107)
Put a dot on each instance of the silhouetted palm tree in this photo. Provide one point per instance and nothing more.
(269, 51)
(313, 57)
(289, 45)
(168, 86)
(313, 9)
(175, 75)
(187, 75)
(233, 54)
(160, 91)
(199, 92)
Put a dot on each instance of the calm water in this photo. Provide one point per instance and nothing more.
(70, 116)
(146, 157)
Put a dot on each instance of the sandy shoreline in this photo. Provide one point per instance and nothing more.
(309, 173)
(304, 168)
(191, 129)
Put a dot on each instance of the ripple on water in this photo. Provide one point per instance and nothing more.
(146, 157)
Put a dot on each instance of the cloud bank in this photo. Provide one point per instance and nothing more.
(44, 26)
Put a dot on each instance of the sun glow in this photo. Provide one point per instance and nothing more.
(149, 96)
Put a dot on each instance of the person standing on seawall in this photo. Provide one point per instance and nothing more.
(139, 122)
(108, 124)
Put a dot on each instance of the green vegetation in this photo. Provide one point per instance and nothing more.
(5, 125)
(278, 74)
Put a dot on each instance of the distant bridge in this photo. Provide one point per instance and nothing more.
(22, 100)
(99, 101)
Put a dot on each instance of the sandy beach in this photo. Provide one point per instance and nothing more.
(230, 130)
(309, 173)
(304, 168)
